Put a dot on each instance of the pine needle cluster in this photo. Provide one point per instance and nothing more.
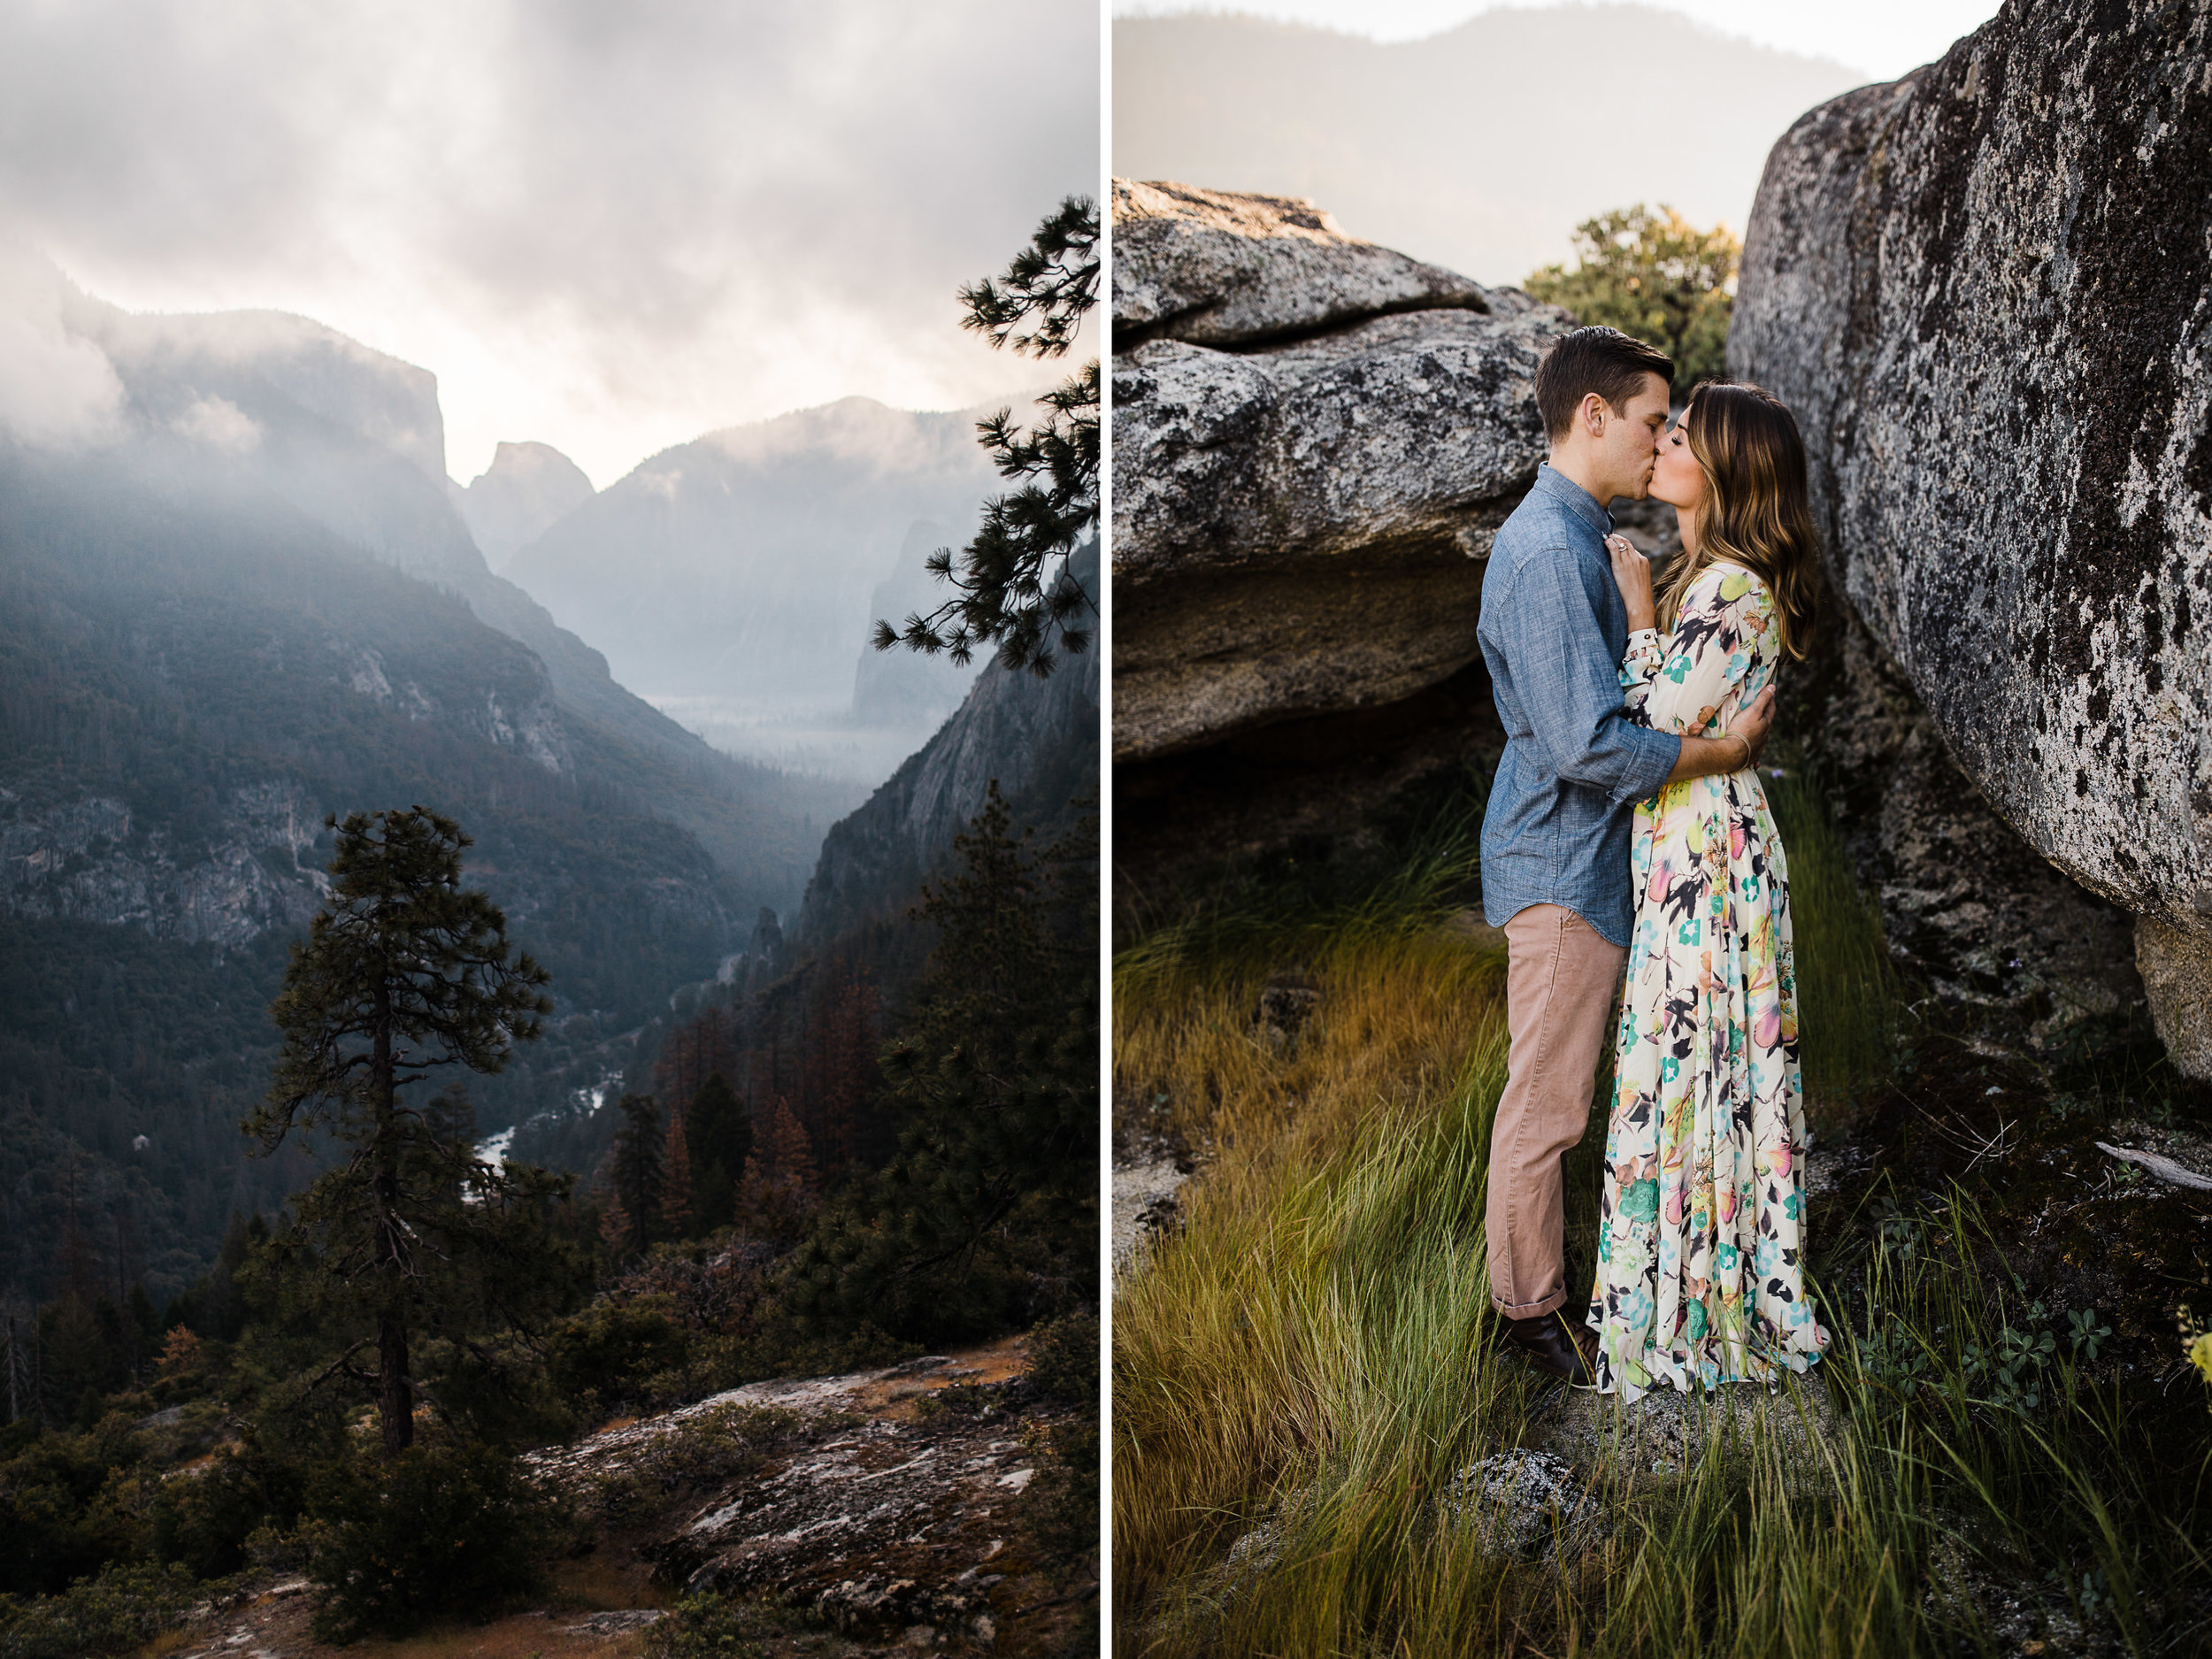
(1013, 585)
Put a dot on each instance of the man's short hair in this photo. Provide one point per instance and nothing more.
(1601, 360)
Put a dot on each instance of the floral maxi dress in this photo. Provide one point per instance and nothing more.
(1700, 1260)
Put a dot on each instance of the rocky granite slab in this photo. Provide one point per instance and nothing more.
(1226, 268)
(1300, 512)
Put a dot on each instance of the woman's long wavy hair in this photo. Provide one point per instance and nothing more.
(1757, 513)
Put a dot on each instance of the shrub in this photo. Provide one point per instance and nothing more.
(711, 1446)
(437, 1532)
(706, 1625)
(1064, 1358)
(113, 1612)
(70, 1504)
(202, 1516)
(601, 1357)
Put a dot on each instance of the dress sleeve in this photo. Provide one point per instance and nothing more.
(1639, 668)
(1721, 644)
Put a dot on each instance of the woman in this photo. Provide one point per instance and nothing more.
(1700, 1269)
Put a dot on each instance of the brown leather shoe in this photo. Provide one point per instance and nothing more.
(1553, 1343)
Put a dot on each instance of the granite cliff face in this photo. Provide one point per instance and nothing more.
(1986, 291)
(527, 489)
(89, 857)
(1315, 440)
(1038, 739)
(739, 566)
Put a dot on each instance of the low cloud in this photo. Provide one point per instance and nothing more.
(216, 423)
(626, 223)
(57, 389)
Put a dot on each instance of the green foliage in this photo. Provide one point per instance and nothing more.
(202, 1517)
(1655, 276)
(215, 1306)
(705, 1451)
(493, 1259)
(637, 1174)
(1060, 1508)
(112, 1612)
(704, 1625)
(436, 1531)
(601, 1356)
(1064, 1358)
(1015, 590)
(989, 1210)
(405, 970)
(70, 1503)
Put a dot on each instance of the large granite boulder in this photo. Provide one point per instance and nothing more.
(1986, 291)
(1219, 268)
(1315, 440)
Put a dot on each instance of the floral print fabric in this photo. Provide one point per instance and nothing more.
(1700, 1268)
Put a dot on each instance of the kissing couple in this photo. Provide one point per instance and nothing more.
(1626, 829)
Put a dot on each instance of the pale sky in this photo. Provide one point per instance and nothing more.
(608, 227)
(1884, 38)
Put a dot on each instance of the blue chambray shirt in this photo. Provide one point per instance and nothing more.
(1553, 630)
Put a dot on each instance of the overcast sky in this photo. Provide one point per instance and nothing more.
(1883, 38)
(607, 227)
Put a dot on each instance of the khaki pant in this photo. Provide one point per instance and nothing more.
(1560, 984)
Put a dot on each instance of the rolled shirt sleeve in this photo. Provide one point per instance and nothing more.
(1572, 689)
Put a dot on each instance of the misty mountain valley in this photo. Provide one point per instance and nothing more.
(670, 1218)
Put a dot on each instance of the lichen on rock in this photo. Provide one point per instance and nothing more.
(1986, 292)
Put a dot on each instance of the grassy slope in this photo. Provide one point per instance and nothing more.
(1307, 1365)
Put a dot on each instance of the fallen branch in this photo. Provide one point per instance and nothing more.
(2165, 1168)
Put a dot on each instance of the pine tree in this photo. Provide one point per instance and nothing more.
(1015, 589)
(718, 1132)
(787, 1155)
(676, 1185)
(404, 972)
(639, 1174)
(988, 1213)
(615, 1227)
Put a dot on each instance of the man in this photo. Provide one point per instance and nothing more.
(1555, 836)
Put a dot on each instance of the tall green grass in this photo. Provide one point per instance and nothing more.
(1303, 1371)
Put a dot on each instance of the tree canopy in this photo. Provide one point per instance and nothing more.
(1653, 274)
(990, 1211)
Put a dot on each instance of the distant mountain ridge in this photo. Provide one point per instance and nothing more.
(355, 440)
(527, 489)
(742, 565)
(1479, 148)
